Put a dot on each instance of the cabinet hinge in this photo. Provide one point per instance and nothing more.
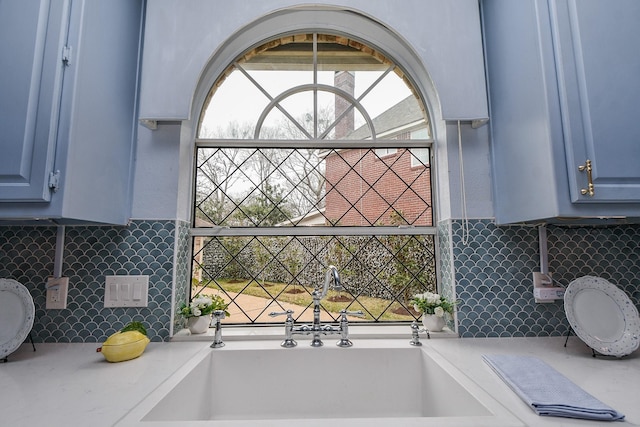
(66, 55)
(54, 180)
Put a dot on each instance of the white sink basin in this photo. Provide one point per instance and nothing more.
(371, 384)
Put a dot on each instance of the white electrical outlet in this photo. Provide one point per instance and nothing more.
(57, 289)
(543, 289)
(126, 291)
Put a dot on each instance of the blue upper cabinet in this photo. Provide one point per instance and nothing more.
(68, 101)
(598, 65)
(564, 98)
(30, 91)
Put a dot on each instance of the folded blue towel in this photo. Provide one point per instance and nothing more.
(547, 391)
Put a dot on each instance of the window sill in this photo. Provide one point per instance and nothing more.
(239, 333)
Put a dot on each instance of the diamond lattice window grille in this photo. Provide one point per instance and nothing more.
(379, 274)
(350, 187)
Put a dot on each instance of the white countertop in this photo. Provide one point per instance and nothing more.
(72, 385)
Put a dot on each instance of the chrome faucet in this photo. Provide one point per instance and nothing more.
(317, 329)
(317, 296)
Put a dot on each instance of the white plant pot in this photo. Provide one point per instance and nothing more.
(433, 323)
(199, 325)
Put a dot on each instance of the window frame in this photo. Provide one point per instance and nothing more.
(327, 230)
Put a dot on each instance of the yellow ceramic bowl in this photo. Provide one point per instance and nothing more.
(123, 346)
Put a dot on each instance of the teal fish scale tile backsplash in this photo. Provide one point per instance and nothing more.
(493, 273)
(90, 254)
(183, 272)
(490, 273)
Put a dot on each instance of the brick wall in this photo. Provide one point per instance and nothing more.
(363, 189)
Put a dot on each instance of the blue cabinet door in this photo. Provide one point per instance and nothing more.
(31, 68)
(597, 48)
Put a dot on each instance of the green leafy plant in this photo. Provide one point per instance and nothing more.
(134, 326)
(203, 306)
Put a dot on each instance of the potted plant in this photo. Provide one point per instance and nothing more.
(433, 307)
(198, 312)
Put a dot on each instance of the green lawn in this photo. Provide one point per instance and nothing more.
(375, 307)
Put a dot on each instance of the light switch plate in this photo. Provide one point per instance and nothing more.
(57, 290)
(126, 291)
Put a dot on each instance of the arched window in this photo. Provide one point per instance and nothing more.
(313, 149)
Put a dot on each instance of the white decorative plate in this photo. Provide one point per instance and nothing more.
(602, 316)
(16, 315)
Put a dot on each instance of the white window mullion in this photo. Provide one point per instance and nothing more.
(313, 143)
(312, 231)
(315, 84)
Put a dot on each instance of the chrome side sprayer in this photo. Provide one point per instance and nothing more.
(415, 334)
(218, 315)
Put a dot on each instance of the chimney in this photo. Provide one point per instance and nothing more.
(344, 80)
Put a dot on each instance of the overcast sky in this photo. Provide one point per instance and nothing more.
(238, 99)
